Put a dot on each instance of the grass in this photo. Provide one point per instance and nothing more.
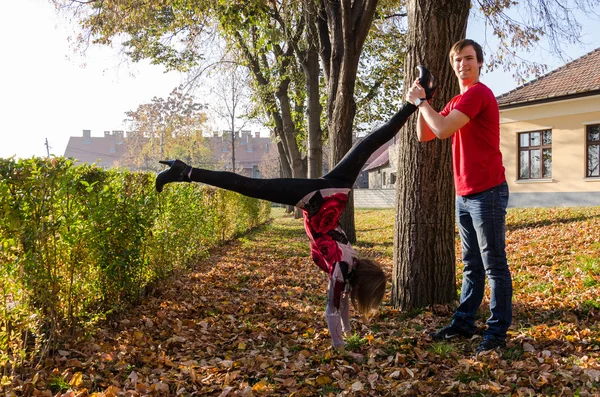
(513, 353)
(58, 384)
(442, 349)
(355, 342)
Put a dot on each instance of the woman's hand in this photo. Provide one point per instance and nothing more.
(415, 92)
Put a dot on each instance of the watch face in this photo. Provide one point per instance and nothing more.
(418, 102)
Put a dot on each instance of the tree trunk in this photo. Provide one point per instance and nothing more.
(315, 141)
(288, 135)
(424, 255)
(286, 170)
(310, 66)
(232, 145)
(340, 135)
(343, 27)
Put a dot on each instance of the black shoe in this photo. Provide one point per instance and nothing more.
(490, 344)
(450, 332)
(427, 81)
(178, 172)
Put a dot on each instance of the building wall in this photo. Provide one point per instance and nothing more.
(567, 119)
(382, 178)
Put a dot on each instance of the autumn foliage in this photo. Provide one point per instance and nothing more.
(249, 321)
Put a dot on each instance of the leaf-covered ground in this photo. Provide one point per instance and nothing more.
(250, 320)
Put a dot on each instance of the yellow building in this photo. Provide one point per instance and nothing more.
(550, 137)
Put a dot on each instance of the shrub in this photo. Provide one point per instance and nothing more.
(77, 242)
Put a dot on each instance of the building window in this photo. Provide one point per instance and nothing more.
(593, 150)
(535, 155)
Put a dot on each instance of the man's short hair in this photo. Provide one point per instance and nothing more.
(461, 44)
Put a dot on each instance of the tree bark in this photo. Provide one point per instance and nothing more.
(424, 255)
(286, 170)
(288, 136)
(310, 65)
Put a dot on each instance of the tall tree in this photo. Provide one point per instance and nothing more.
(424, 260)
(307, 53)
(343, 28)
(265, 35)
(174, 33)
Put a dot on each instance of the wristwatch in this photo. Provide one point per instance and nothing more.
(419, 101)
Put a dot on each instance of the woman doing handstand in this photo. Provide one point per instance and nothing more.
(322, 201)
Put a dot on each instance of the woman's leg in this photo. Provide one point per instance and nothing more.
(290, 191)
(349, 167)
(287, 191)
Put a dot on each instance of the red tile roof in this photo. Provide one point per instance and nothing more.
(380, 161)
(105, 151)
(580, 77)
(377, 153)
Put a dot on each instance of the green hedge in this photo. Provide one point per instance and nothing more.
(77, 242)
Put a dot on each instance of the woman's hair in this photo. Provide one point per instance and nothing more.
(368, 286)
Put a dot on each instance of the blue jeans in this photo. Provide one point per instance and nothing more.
(481, 220)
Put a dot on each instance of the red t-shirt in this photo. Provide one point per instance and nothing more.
(476, 156)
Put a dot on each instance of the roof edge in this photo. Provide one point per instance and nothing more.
(548, 99)
(545, 75)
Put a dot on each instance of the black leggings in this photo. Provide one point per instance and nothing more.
(290, 191)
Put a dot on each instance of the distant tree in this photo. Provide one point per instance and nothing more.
(166, 128)
(231, 104)
(523, 26)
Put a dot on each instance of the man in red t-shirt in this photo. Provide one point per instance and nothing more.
(472, 119)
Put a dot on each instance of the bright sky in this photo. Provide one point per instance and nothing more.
(48, 93)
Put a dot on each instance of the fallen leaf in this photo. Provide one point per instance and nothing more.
(528, 347)
(260, 387)
(357, 386)
(77, 379)
(323, 380)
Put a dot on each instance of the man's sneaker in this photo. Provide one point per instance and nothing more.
(490, 344)
(450, 332)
